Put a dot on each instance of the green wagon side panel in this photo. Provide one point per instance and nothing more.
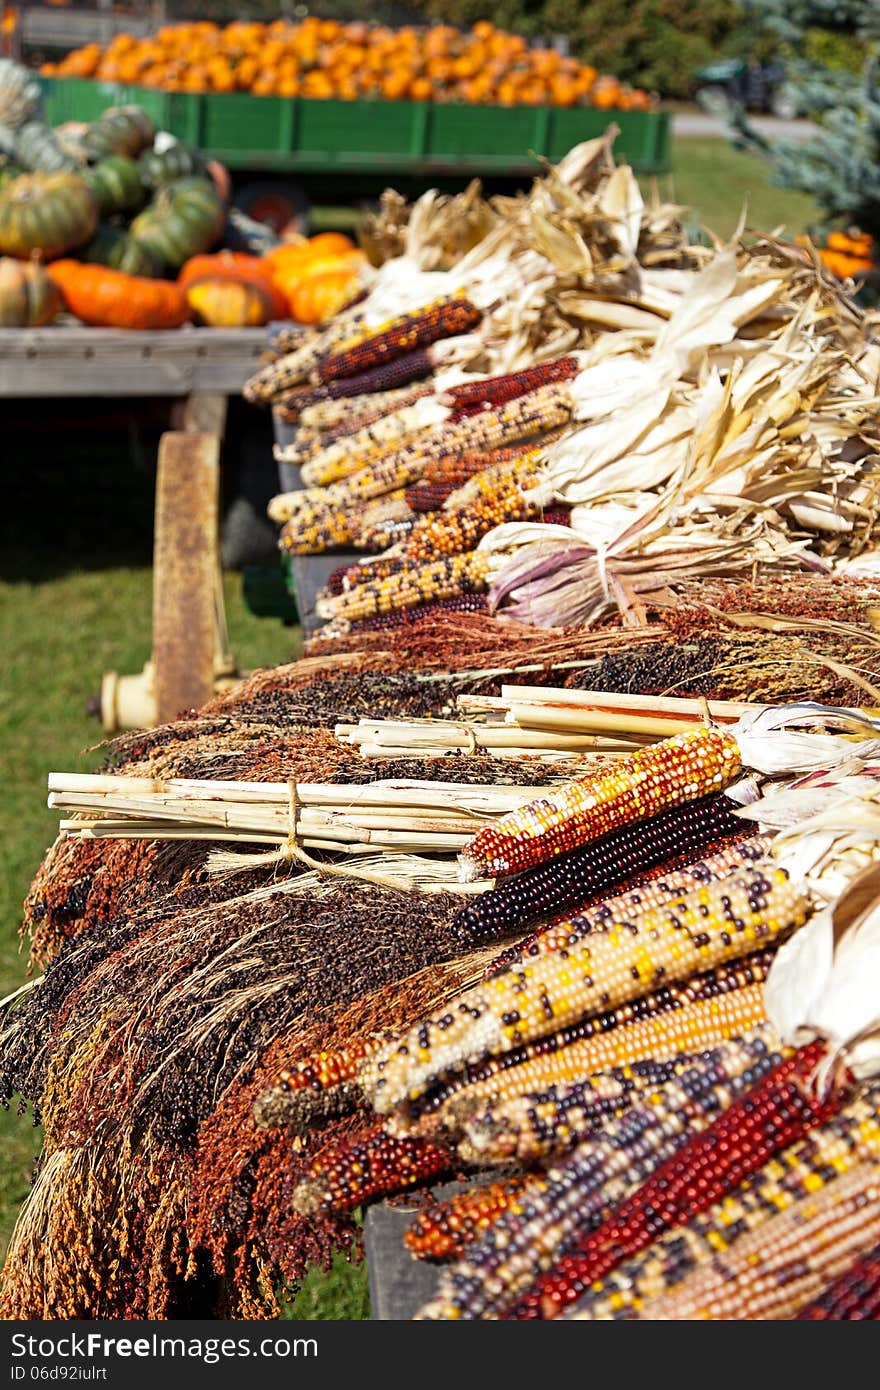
(382, 137)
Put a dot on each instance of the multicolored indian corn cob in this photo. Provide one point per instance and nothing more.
(684, 1026)
(442, 1230)
(802, 1169)
(576, 1195)
(658, 881)
(349, 456)
(569, 881)
(405, 617)
(773, 1272)
(771, 1115)
(500, 497)
(676, 770)
(387, 521)
(361, 411)
(538, 1125)
(853, 1296)
(442, 476)
(721, 921)
(495, 390)
(412, 584)
(443, 318)
(534, 414)
(678, 1017)
(277, 378)
(314, 530)
(387, 375)
(345, 1174)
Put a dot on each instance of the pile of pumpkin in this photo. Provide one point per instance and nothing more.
(114, 222)
(321, 59)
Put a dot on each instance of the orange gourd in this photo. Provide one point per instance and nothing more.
(319, 297)
(236, 266)
(110, 299)
(223, 303)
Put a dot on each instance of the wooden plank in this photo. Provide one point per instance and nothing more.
(203, 411)
(184, 571)
(79, 361)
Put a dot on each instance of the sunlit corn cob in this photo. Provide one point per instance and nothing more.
(853, 1296)
(349, 456)
(442, 1230)
(803, 1168)
(569, 881)
(367, 410)
(383, 523)
(443, 318)
(454, 574)
(665, 774)
(771, 1273)
(524, 418)
(772, 1114)
(442, 476)
(449, 532)
(316, 529)
(405, 617)
(538, 1125)
(675, 1018)
(495, 390)
(344, 1175)
(721, 921)
(293, 367)
(576, 1194)
(317, 1089)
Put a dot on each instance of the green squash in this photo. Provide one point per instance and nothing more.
(116, 184)
(185, 218)
(176, 161)
(116, 248)
(119, 130)
(46, 214)
(38, 149)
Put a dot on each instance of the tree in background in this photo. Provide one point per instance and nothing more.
(832, 50)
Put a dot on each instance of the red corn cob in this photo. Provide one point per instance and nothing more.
(853, 1296)
(445, 318)
(496, 389)
(443, 1229)
(347, 1173)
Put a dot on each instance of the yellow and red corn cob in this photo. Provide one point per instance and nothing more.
(802, 1169)
(345, 1174)
(853, 1296)
(278, 378)
(385, 522)
(442, 1230)
(412, 584)
(443, 318)
(313, 530)
(452, 531)
(354, 453)
(776, 1112)
(365, 410)
(534, 414)
(568, 882)
(773, 1272)
(495, 390)
(442, 476)
(665, 774)
(721, 921)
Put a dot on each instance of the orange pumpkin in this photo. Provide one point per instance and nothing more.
(110, 299)
(319, 297)
(223, 303)
(236, 266)
(289, 279)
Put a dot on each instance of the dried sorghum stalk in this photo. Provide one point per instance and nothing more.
(773, 1272)
(345, 1175)
(676, 770)
(769, 1117)
(853, 1296)
(535, 1126)
(722, 921)
(443, 318)
(567, 882)
(576, 1195)
(412, 584)
(804, 1168)
(496, 389)
(442, 1230)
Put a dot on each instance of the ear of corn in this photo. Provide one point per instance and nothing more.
(569, 881)
(351, 455)
(348, 1173)
(294, 367)
(442, 1229)
(678, 769)
(719, 922)
(356, 413)
(773, 1272)
(495, 390)
(410, 585)
(576, 1195)
(770, 1116)
(853, 1296)
(443, 318)
(804, 1168)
